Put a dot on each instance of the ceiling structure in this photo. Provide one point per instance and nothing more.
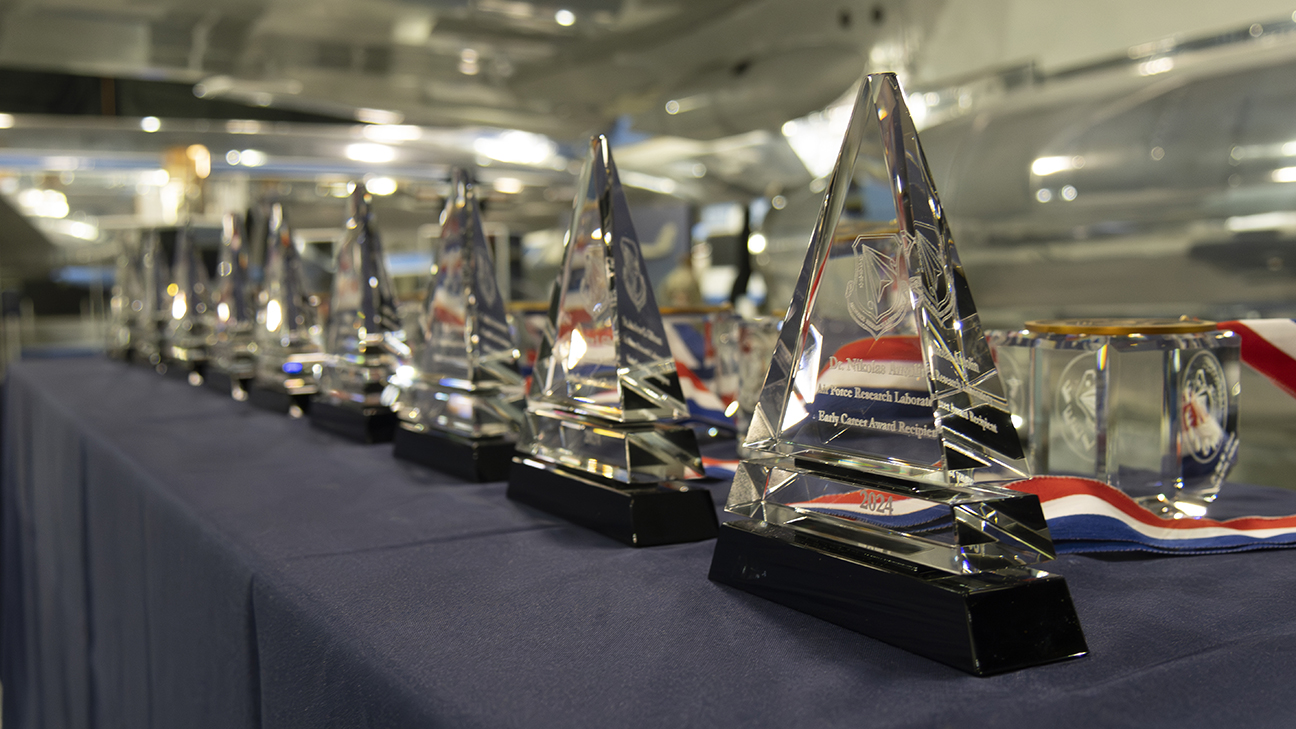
(567, 68)
(705, 100)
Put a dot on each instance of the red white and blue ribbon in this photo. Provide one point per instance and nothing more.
(1269, 347)
(1085, 515)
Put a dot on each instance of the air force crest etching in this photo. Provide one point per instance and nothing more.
(635, 284)
(486, 284)
(868, 294)
(927, 274)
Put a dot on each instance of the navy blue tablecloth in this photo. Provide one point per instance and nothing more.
(172, 558)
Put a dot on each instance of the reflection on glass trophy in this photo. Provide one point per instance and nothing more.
(461, 412)
(364, 341)
(233, 356)
(127, 302)
(154, 313)
(529, 321)
(190, 325)
(747, 344)
(288, 357)
(881, 444)
(601, 446)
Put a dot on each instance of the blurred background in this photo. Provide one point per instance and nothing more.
(1098, 158)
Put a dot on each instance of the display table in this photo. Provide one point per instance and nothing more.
(177, 559)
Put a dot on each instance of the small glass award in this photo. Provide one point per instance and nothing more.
(233, 354)
(190, 325)
(286, 335)
(602, 446)
(1149, 406)
(126, 304)
(363, 341)
(462, 410)
(881, 443)
(154, 314)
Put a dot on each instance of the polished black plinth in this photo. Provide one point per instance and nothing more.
(223, 382)
(277, 401)
(471, 460)
(984, 623)
(192, 372)
(640, 516)
(373, 424)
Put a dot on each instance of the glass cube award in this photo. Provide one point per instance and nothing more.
(186, 341)
(286, 336)
(462, 410)
(602, 446)
(233, 352)
(881, 444)
(363, 340)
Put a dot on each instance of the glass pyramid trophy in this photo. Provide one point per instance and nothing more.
(601, 447)
(462, 411)
(150, 324)
(233, 360)
(363, 341)
(190, 328)
(881, 443)
(126, 304)
(286, 335)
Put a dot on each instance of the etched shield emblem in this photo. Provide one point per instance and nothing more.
(635, 284)
(928, 275)
(868, 298)
(486, 287)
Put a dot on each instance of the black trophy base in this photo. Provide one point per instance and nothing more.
(471, 460)
(640, 516)
(374, 424)
(222, 382)
(188, 371)
(981, 623)
(279, 402)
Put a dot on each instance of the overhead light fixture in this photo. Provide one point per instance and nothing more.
(565, 18)
(150, 124)
(79, 229)
(391, 132)
(413, 29)
(1156, 66)
(371, 153)
(1276, 220)
(379, 116)
(1044, 166)
(1283, 174)
(507, 185)
(44, 203)
(664, 185)
(6, 121)
(381, 186)
(243, 126)
(201, 158)
(251, 158)
(468, 62)
(517, 147)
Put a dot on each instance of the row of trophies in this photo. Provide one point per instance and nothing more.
(873, 490)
